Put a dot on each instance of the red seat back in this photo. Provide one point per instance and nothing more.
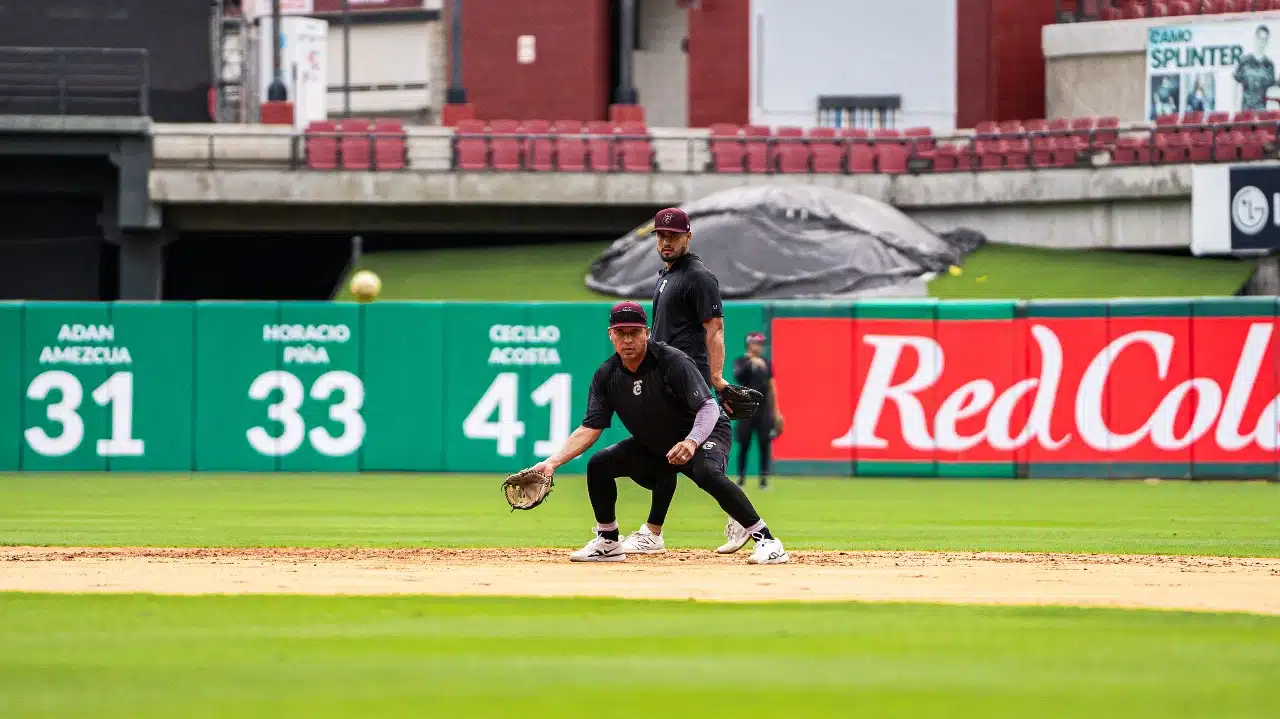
(322, 145)
(356, 147)
(728, 152)
(635, 147)
(570, 146)
(389, 145)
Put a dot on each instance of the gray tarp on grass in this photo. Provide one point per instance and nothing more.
(790, 242)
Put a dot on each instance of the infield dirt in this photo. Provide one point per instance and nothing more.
(1157, 582)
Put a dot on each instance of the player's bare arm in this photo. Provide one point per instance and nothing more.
(715, 351)
(578, 442)
(682, 452)
(773, 394)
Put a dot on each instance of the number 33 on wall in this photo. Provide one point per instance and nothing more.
(346, 412)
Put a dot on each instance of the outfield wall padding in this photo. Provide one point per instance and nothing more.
(921, 388)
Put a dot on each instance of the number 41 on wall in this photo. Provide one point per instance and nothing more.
(503, 396)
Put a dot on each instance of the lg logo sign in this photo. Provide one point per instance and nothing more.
(1249, 210)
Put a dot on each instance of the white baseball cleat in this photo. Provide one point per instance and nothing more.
(769, 551)
(642, 541)
(600, 550)
(736, 538)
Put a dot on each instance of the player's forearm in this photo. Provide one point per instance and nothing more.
(704, 421)
(578, 442)
(773, 393)
(715, 352)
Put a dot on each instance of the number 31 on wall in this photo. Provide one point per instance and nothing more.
(117, 391)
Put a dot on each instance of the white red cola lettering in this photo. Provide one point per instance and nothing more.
(1210, 406)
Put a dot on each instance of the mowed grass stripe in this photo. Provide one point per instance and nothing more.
(147, 656)
(245, 510)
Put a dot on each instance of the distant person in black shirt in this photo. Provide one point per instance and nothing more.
(1256, 72)
(754, 370)
(676, 425)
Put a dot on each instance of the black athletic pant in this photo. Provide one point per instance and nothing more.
(759, 426)
(664, 485)
(628, 459)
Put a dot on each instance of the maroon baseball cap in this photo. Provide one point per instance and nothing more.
(628, 314)
(672, 219)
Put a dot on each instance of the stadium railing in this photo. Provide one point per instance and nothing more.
(367, 146)
(75, 81)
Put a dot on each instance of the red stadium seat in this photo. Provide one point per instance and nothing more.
(946, 158)
(356, 145)
(920, 141)
(505, 146)
(1017, 152)
(1131, 150)
(1192, 118)
(389, 150)
(1035, 125)
(1180, 7)
(1135, 10)
(728, 153)
(1111, 13)
(1218, 118)
(603, 152)
(1234, 6)
(1064, 152)
(1173, 148)
(855, 133)
(570, 147)
(891, 157)
(538, 151)
(757, 146)
(862, 157)
(1245, 120)
(790, 153)
(1082, 131)
(1159, 10)
(1268, 120)
(826, 151)
(1201, 147)
(636, 148)
(322, 145)
(1254, 146)
(471, 147)
(1106, 131)
(1010, 127)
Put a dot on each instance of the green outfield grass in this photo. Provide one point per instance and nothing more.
(146, 656)
(1210, 518)
(555, 273)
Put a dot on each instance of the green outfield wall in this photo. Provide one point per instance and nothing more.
(878, 388)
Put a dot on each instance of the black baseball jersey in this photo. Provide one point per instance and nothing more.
(657, 403)
(748, 374)
(686, 296)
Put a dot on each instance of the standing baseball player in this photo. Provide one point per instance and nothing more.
(676, 425)
(754, 370)
(689, 316)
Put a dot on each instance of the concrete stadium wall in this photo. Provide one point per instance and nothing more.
(1124, 207)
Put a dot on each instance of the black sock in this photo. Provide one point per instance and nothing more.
(763, 534)
(610, 534)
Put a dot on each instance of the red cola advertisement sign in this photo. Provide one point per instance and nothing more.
(1120, 393)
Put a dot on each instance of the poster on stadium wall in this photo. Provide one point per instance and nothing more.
(1211, 67)
(304, 52)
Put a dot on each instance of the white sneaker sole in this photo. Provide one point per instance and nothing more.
(646, 551)
(731, 548)
(600, 558)
(780, 559)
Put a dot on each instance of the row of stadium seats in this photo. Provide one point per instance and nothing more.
(544, 146)
(357, 144)
(1136, 9)
(572, 146)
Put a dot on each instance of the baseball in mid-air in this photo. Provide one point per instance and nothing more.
(365, 286)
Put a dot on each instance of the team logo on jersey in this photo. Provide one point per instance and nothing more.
(635, 388)
(662, 286)
(709, 445)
